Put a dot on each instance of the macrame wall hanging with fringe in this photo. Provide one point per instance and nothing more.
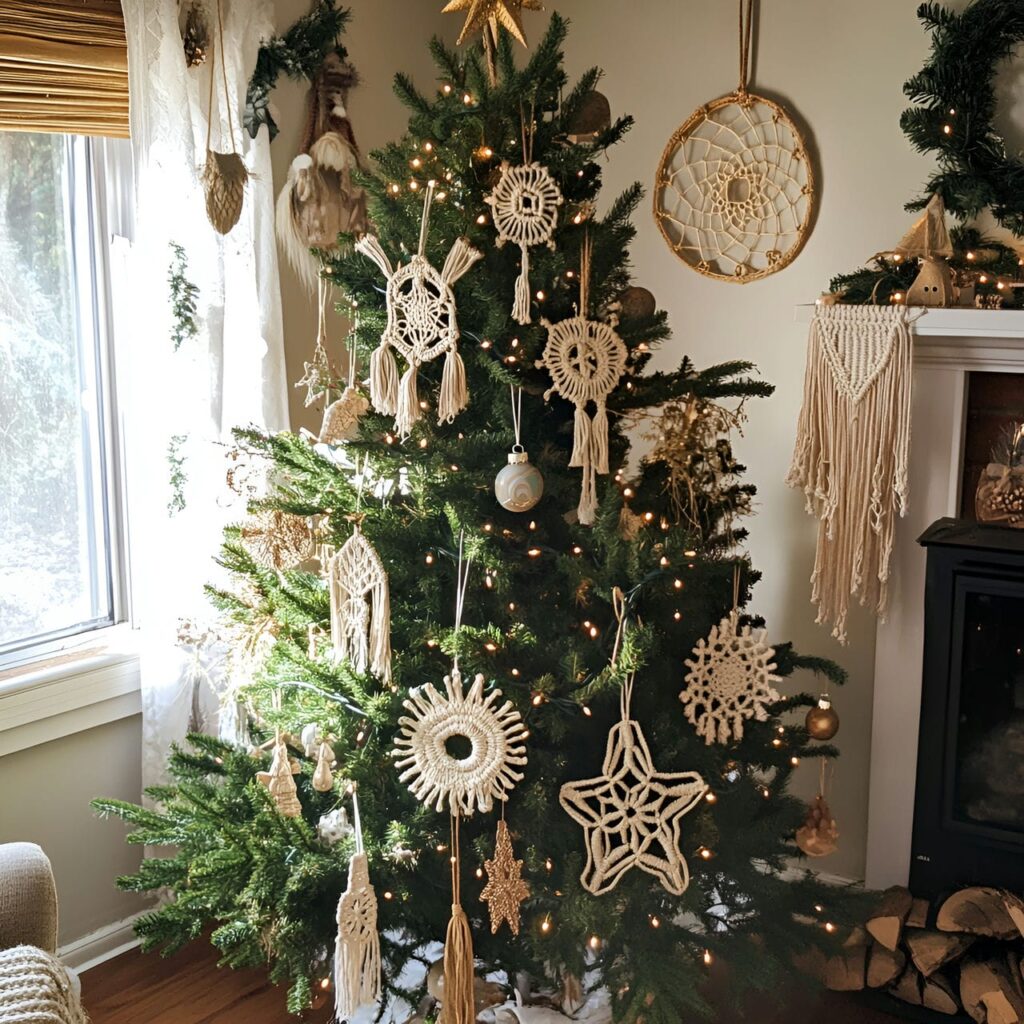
(734, 193)
(525, 205)
(224, 174)
(852, 451)
(730, 678)
(421, 326)
(360, 607)
(357, 947)
(320, 200)
(586, 359)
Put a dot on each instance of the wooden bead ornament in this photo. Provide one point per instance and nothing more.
(519, 485)
(822, 721)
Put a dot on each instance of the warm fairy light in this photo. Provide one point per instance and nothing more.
(655, 922)
(486, 343)
(765, 792)
(515, 343)
(510, 359)
(511, 606)
(947, 129)
(983, 279)
(594, 942)
(594, 632)
(711, 798)
(818, 907)
(488, 527)
(446, 89)
(482, 218)
(423, 442)
(467, 99)
(515, 672)
(390, 438)
(479, 872)
(489, 646)
(388, 895)
(677, 615)
(579, 174)
(794, 761)
(540, 296)
(570, 274)
(663, 562)
(897, 296)
(705, 853)
(413, 185)
(690, 553)
(454, 468)
(545, 925)
(970, 256)
(424, 404)
(587, 711)
(707, 957)
(428, 146)
(429, 558)
(441, 196)
(533, 552)
(431, 643)
(578, 219)
(360, 736)
(441, 847)
(395, 189)
(952, 112)
(538, 699)
(488, 581)
(648, 517)
(678, 584)
(642, 347)
(549, 864)
(325, 983)
(629, 385)
(829, 927)
(776, 743)
(577, 550)
(627, 492)
(416, 162)
(1000, 285)
(533, 524)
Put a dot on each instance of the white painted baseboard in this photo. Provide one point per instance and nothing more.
(101, 945)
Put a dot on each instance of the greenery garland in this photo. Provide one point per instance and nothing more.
(955, 103)
(298, 54)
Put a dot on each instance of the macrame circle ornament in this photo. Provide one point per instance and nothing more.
(360, 607)
(730, 679)
(734, 193)
(632, 814)
(421, 326)
(524, 205)
(852, 453)
(357, 947)
(586, 359)
(224, 175)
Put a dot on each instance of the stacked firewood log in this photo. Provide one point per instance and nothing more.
(964, 955)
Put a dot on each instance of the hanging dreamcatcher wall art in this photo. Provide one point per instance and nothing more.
(734, 193)
(421, 326)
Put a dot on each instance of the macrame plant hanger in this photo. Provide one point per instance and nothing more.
(224, 174)
(357, 947)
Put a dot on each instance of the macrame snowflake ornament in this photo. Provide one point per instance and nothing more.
(730, 680)
(525, 205)
(360, 607)
(632, 814)
(505, 889)
(421, 326)
(586, 359)
(496, 736)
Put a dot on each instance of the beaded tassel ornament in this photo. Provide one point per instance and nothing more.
(525, 205)
(421, 326)
(357, 947)
(360, 607)
(585, 358)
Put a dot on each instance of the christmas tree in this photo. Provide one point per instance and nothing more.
(563, 617)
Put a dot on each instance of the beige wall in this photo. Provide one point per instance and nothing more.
(46, 794)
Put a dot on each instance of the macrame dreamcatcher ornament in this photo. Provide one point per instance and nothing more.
(734, 193)
(819, 834)
(280, 780)
(505, 889)
(357, 947)
(224, 175)
(360, 607)
(519, 485)
(730, 679)
(421, 326)
(852, 453)
(524, 206)
(586, 359)
(278, 540)
(632, 814)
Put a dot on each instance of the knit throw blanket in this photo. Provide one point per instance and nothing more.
(35, 989)
(853, 450)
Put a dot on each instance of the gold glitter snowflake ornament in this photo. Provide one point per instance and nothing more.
(730, 681)
(434, 774)
(505, 889)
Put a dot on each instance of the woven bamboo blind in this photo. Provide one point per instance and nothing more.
(63, 67)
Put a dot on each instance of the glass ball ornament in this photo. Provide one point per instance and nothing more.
(518, 486)
(823, 720)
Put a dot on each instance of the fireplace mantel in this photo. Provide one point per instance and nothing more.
(948, 344)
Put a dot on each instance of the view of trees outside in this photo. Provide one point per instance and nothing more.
(49, 558)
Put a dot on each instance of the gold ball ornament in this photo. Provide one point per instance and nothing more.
(823, 720)
(518, 486)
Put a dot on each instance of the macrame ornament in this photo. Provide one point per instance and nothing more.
(421, 326)
(585, 358)
(852, 451)
(224, 174)
(280, 781)
(357, 947)
(323, 779)
(632, 814)
(734, 193)
(730, 679)
(278, 540)
(505, 889)
(524, 205)
(360, 607)
(819, 834)
(320, 200)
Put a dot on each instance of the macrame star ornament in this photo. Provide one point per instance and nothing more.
(524, 206)
(730, 681)
(357, 947)
(421, 326)
(505, 889)
(632, 814)
(280, 781)
(496, 736)
(278, 540)
(493, 14)
(360, 607)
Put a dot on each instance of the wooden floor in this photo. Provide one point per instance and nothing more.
(138, 988)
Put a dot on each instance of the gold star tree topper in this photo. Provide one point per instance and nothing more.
(505, 889)
(493, 15)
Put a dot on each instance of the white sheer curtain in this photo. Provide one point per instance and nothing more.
(232, 374)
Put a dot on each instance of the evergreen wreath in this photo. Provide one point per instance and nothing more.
(955, 103)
